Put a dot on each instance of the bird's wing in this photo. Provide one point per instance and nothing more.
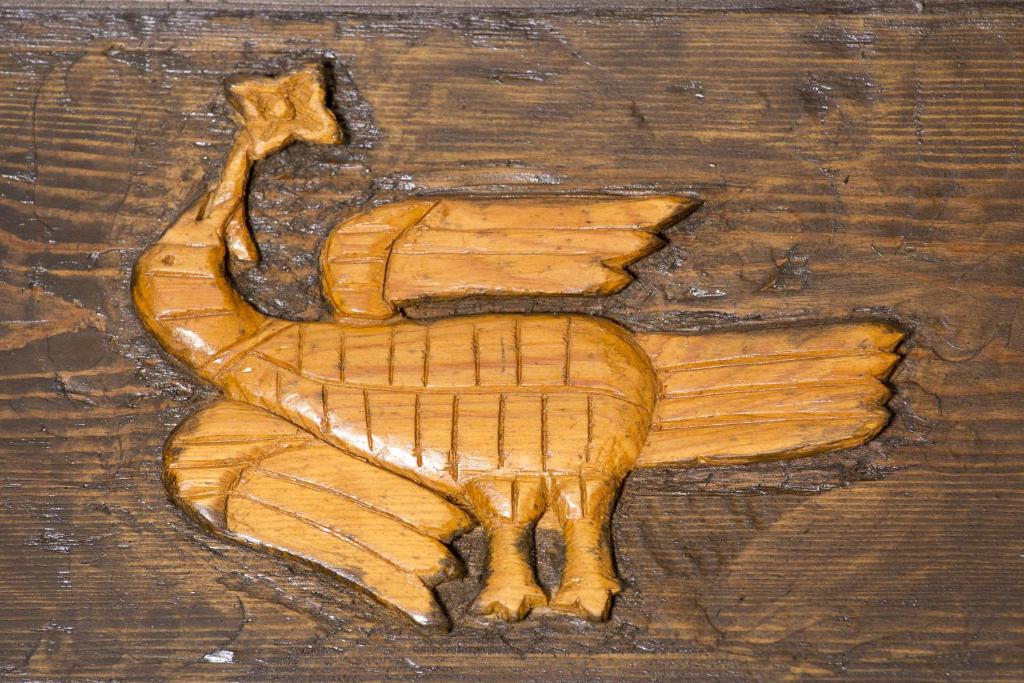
(449, 248)
(256, 478)
(739, 397)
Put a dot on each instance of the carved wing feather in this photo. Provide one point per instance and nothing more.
(737, 397)
(254, 477)
(447, 248)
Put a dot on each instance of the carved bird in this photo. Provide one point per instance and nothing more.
(364, 444)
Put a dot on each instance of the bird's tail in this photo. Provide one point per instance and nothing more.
(735, 397)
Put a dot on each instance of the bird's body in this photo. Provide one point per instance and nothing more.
(365, 443)
(449, 401)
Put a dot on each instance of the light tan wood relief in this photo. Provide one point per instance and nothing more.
(365, 443)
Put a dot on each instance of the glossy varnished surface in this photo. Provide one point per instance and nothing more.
(851, 165)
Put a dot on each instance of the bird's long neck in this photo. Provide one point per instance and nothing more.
(181, 286)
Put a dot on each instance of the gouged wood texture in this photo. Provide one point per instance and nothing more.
(848, 162)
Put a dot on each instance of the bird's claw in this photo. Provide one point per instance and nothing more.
(587, 602)
(509, 601)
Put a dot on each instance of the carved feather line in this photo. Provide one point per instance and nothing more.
(774, 359)
(334, 533)
(316, 486)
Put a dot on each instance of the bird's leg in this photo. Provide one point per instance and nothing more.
(584, 505)
(508, 508)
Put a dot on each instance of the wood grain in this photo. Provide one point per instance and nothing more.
(862, 165)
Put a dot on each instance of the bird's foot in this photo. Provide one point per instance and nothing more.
(588, 600)
(509, 601)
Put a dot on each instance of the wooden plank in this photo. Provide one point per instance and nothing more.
(857, 160)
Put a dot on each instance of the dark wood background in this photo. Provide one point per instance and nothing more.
(858, 161)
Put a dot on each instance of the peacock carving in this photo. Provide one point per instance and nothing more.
(366, 443)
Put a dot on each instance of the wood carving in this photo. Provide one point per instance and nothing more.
(366, 443)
